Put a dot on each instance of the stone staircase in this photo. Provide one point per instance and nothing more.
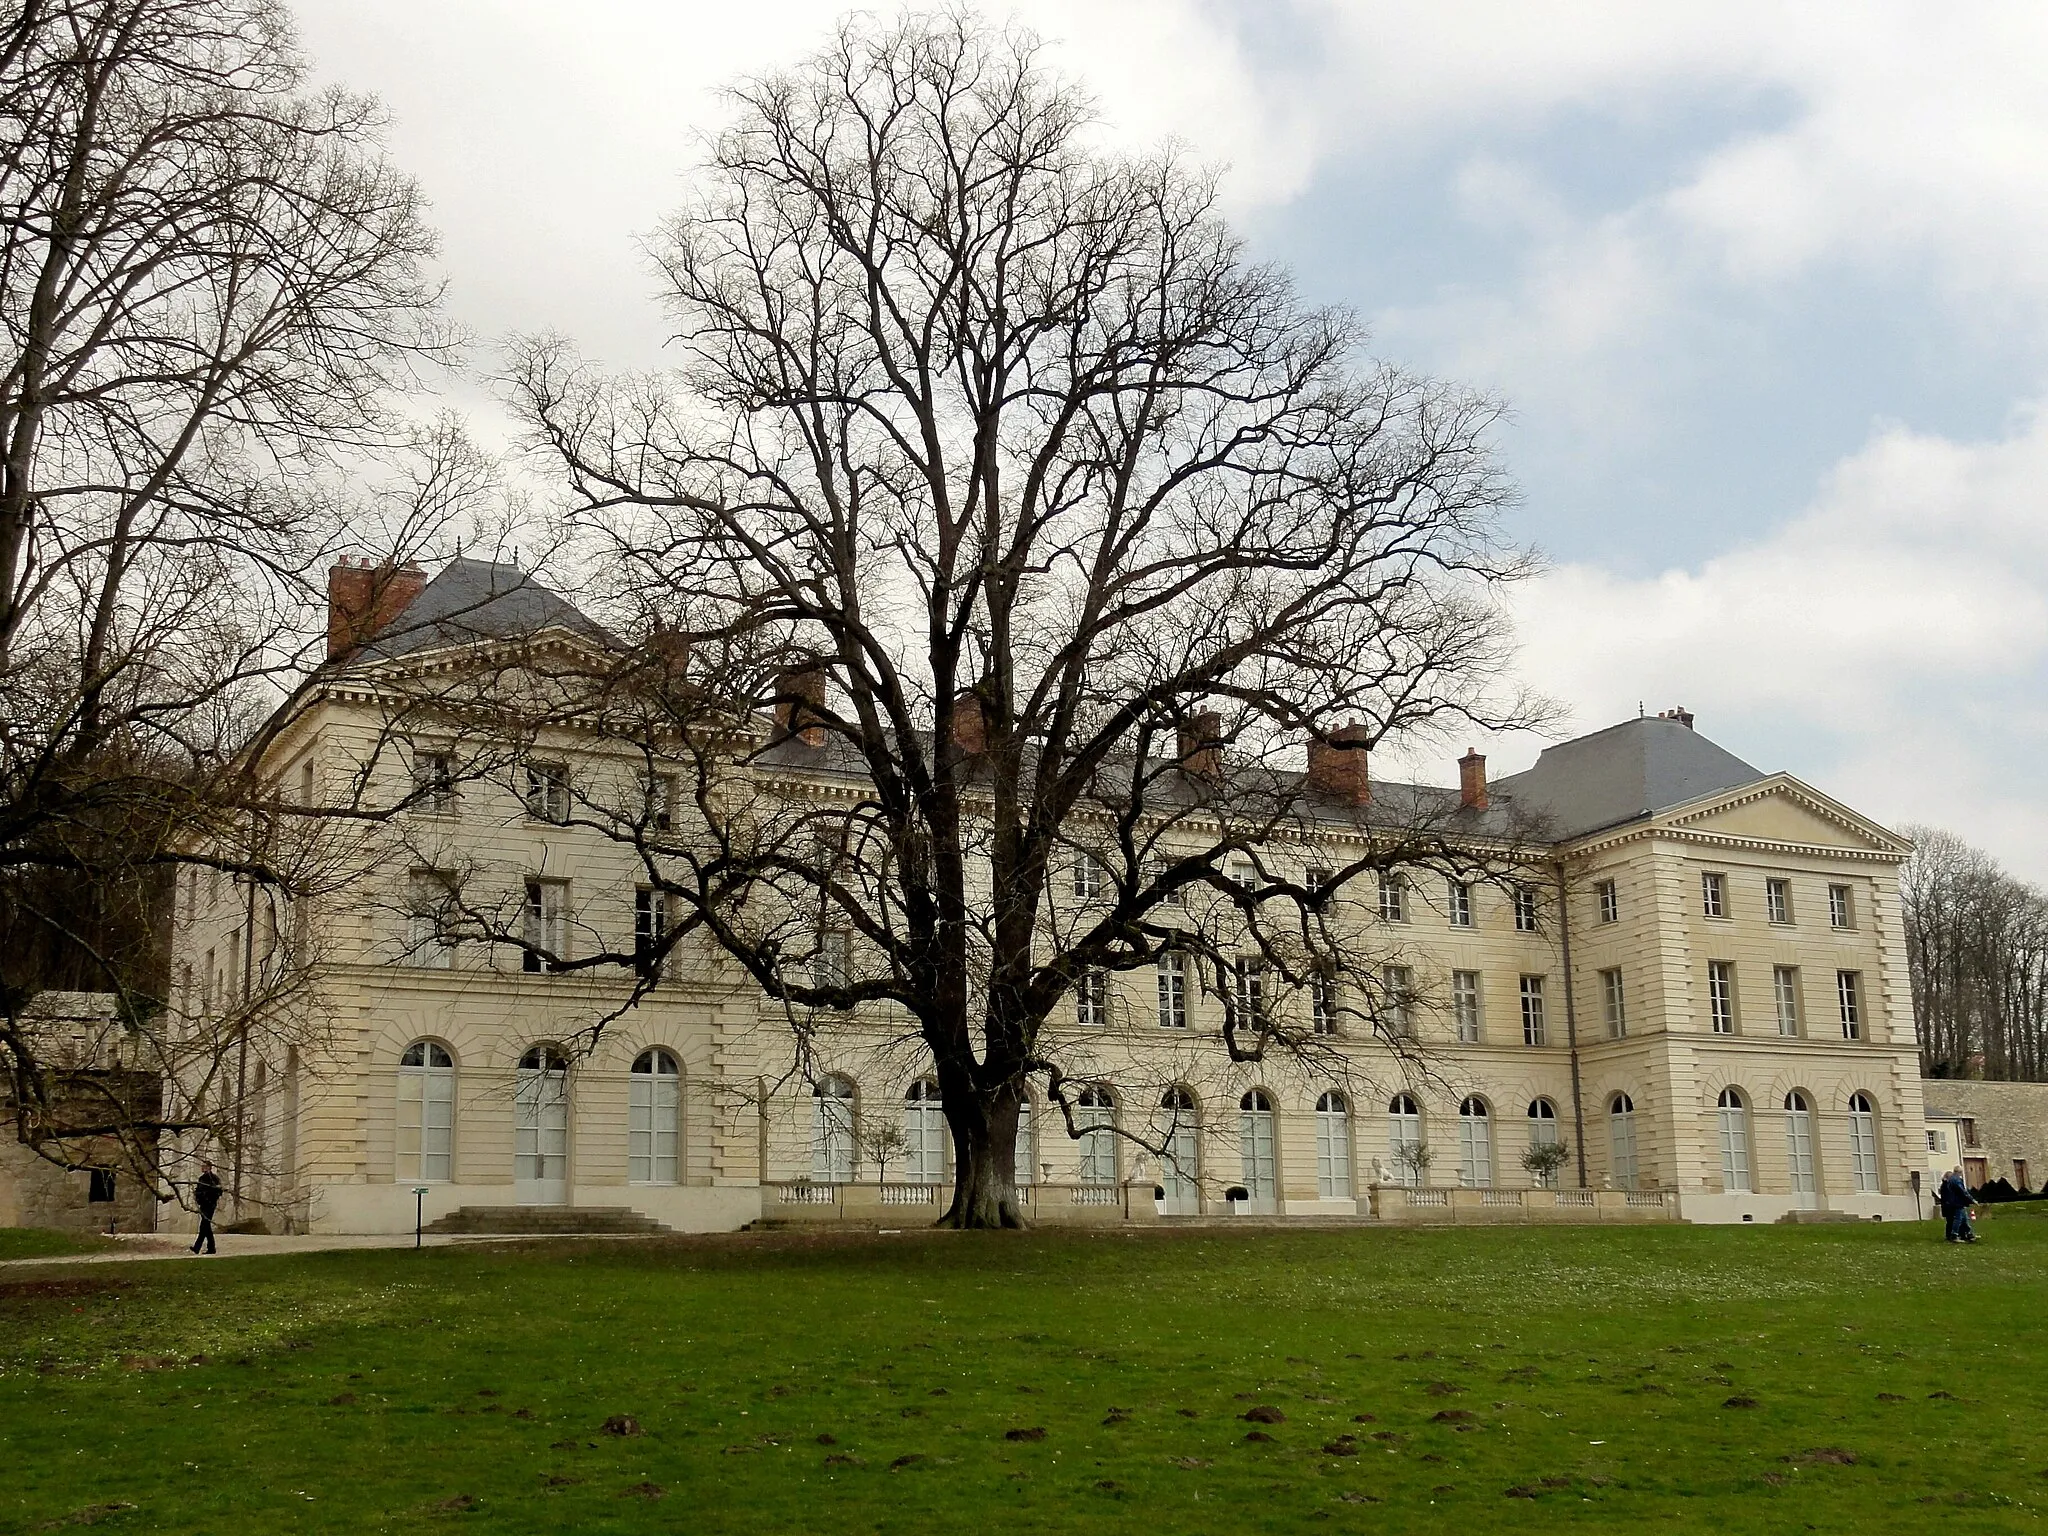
(543, 1221)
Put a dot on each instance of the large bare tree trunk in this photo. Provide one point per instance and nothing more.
(984, 1164)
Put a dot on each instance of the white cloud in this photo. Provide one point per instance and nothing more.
(1898, 626)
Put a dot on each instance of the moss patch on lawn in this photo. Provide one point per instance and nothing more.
(1829, 1378)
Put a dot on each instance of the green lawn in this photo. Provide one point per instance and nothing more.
(43, 1243)
(1849, 1378)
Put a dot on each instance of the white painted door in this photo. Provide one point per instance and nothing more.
(1255, 1144)
(1799, 1152)
(540, 1143)
(1177, 1175)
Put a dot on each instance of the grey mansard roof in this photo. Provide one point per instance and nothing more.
(1622, 774)
(472, 600)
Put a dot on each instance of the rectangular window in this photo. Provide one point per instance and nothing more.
(1849, 987)
(650, 923)
(1714, 895)
(832, 961)
(1610, 903)
(1612, 1004)
(1460, 902)
(1241, 873)
(428, 895)
(1785, 993)
(1090, 878)
(660, 790)
(1315, 880)
(1525, 909)
(547, 925)
(1248, 995)
(1393, 899)
(1157, 869)
(1778, 900)
(547, 792)
(1465, 1005)
(1322, 1004)
(1966, 1132)
(1721, 996)
(433, 782)
(1173, 990)
(1533, 1032)
(1934, 1141)
(1398, 983)
(306, 782)
(1091, 1000)
(1841, 908)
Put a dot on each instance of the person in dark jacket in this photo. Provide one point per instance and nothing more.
(206, 1195)
(1955, 1200)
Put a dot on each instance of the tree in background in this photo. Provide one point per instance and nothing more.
(1977, 949)
(210, 280)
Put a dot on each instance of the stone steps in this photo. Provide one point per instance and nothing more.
(543, 1221)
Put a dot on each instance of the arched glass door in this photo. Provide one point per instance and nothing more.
(654, 1119)
(1255, 1148)
(1863, 1143)
(1799, 1150)
(924, 1134)
(1733, 1117)
(1404, 1140)
(1179, 1171)
(1333, 1147)
(832, 1131)
(1475, 1144)
(540, 1123)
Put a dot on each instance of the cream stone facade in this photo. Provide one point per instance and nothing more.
(1702, 994)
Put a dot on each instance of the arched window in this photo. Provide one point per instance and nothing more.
(1543, 1133)
(540, 1128)
(1095, 1113)
(832, 1130)
(1404, 1139)
(1733, 1114)
(1255, 1150)
(1621, 1141)
(1027, 1144)
(1333, 1147)
(1799, 1147)
(655, 1115)
(1863, 1143)
(1179, 1172)
(426, 1113)
(1475, 1144)
(924, 1133)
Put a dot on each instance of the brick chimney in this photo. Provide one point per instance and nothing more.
(1472, 780)
(363, 599)
(970, 723)
(799, 702)
(1681, 714)
(1340, 771)
(1201, 747)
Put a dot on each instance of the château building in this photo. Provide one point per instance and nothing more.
(1698, 988)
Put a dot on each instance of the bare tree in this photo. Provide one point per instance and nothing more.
(210, 281)
(1050, 528)
(1977, 951)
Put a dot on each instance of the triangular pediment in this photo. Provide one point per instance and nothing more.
(1781, 810)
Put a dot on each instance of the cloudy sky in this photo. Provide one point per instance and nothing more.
(1766, 286)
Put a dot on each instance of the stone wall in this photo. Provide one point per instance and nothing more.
(2011, 1121)
(35, 1192)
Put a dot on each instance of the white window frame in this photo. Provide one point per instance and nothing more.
(832, 960)
(1527, 918)
(1172, 972)
(1397, 988)
(1543, 1132)
(1095, 1118)
(1841, 907)
(425, 1147)
(1621, 1141)
(1091, 878)
(546, 924)
(1863, 1162)
(833, 1111)
(1785, 1000)
(924, 1133)
(1475, 1143)
(1465, 1009)
(1535, 1020)
(1778, 899)
(1732, 1116)
(1721, 996)
(1610, 902)
(1849, 1001)
(651, 913)
(1393, 898)
(1091, 999)
(1458, 899)
(1322, 1004)
(1404, 1129)
(1614, 1003)
(428, 891)
(433, 780)
(547, 791)
(1248, 992)
(1333, 1147)
(1713, 894)
(654, 1119)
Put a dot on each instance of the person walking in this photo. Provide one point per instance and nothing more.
(1955, 1200)
(206, 1195)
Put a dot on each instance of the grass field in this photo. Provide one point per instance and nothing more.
(1848, 1379)
(41, 1243)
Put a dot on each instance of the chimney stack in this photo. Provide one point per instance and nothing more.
(970, 723)
(1201, 744)
(800, 703)
(1339, 770)
(363, 599)
(1681, 714)
(1472, 780)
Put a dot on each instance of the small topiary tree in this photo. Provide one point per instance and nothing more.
(1412, 1159)
(1543, 1159)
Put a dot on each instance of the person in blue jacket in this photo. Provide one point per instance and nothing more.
(1955, 1200)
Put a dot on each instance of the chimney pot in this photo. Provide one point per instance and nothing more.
(363, 599)
(970, 723)
(1337, 767)
(1472, 780)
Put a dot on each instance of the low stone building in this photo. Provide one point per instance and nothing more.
(1989, 1130)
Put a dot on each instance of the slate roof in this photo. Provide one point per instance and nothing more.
(1623, 774)
(472, 600)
